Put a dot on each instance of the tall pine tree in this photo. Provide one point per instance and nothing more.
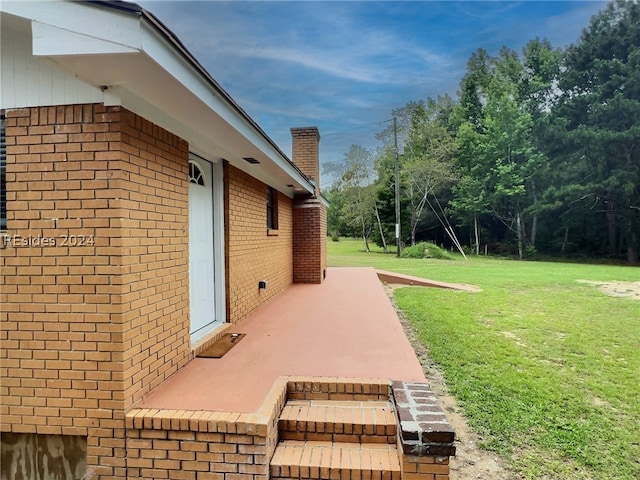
(595, 133)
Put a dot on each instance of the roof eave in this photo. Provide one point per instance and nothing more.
(119, 59)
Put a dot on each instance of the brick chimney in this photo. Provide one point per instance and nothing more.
(306, 152)
(309, 213)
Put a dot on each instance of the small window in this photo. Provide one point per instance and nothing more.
(195, 175)
(272, 209)
(3, 176)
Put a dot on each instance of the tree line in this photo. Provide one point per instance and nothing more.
(538, 153)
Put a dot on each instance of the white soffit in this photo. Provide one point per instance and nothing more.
(141, 69)
(49, 40)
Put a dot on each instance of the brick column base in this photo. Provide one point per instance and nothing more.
(426, 437)
(309, 241)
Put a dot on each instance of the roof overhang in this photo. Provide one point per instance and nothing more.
(139, 64)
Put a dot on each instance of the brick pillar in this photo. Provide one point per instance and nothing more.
(309, 214)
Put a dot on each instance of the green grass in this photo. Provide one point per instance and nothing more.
(546, 369)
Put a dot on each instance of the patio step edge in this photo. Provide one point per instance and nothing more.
(338, 421)
(335, 461)
(337, 388)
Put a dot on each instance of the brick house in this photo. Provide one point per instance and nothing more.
(141, 202)
(143, 214)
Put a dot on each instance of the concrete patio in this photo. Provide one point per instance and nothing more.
(325, 385)
(345, 327)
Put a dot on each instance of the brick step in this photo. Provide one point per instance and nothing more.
(335, 461)
(338, 421)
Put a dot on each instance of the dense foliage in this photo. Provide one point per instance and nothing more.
(540, 152)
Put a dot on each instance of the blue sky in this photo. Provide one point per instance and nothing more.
(344, 66)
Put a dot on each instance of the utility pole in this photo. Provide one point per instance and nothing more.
(397, 178)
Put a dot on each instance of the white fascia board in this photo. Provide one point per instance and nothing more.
(86, 21)
(67, 29)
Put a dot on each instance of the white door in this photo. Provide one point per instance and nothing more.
(201, 256)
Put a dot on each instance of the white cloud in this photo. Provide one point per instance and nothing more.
(330, 39)
(344, 66)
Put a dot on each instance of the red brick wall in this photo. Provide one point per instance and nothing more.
(197, 445)
(309, 241)
(252, 252)
(155, 273)
(97, 314)
(194, 455)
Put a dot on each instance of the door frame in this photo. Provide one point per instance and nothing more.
(219, 293)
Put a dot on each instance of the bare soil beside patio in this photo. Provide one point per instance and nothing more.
(471, 462)
(629, 290)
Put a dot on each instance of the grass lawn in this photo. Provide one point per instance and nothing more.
(546, 369)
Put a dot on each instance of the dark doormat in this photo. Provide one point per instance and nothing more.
(221, 346)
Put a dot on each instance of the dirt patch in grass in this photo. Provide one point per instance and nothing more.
(629, 290)
(471, 462)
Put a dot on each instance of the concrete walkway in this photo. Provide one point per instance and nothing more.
(345, 327)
